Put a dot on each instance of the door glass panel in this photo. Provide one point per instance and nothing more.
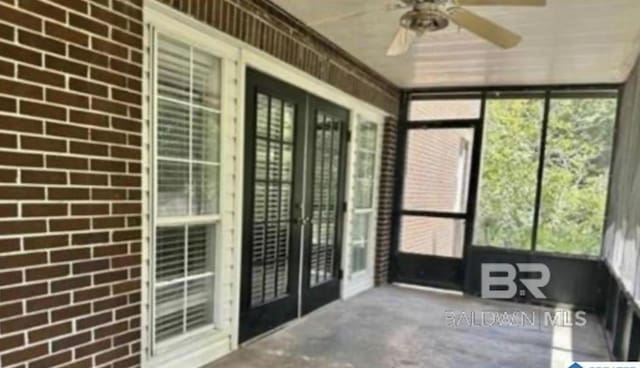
(437, 170)
(325, 198)
(432, 236)
(359, 241)
(273, 176)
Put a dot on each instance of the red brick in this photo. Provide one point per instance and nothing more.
(66, 33)
(8, 209)
(11, 342)
(8, 176)
(70, 312)
(89, 149)
(88, 24)
(41, 43)
(52, 360)
(22, 260)
(126, 287)
(20, 18)
(43, 177)
(90, 266)
(79, 5)
(93, 348)
(70, 254)
(67, 130)
(91, 88)
(31, 352)
(47, 241)
(91, 294)
(19, 124)
(20, 89)
(8, 140)
(127, 10)
(126, 235)
(9, 245)
(109, 106)
(90, 238)
(70, 283)
(108, 136)
(40, 76)
(109, 277)
(109, 48)
(8, 104)
(43, 9)
(67, 98)
(124, 152)
(108, 194)
(7, 32)
(48, 302)
(22, 292)
(112, 355)
(94, 320)
(106, 76)
(68, 193)
(124, 208)
(20, 159)
(88, 56)
(66, 162)
(7, 68)
(43, 110)
(108, 222)
(22, 227)
(44, 209)
(66, 66)
(89, 118)
(125, 67)
(71, 341)
(69, 224)
(47, 272)
(11, 277)
(22, 192)
(127, 312)
(50, 332)
(85, 209)
(125, 261)
(43, 144)
(10, 310)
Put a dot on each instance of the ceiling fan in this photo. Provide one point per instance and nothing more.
(434, 15)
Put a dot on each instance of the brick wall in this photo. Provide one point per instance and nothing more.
(70, 124)
(265, 26)
(385, 201)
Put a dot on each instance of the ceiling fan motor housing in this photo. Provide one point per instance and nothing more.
(424, 20)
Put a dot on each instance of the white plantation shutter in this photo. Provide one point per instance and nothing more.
(187, 175)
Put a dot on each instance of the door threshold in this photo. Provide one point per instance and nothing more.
(428, 288)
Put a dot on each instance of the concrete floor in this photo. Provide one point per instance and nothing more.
(393, 327)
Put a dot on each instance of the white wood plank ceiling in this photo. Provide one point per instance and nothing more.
(566, 42)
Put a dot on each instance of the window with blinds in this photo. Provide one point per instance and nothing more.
(366, 136)
(186, 188)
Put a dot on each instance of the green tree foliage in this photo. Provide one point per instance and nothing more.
(577, 158)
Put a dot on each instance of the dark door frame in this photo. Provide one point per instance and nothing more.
(573, 268)
(301, 298)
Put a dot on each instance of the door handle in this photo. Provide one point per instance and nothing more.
(306, 220)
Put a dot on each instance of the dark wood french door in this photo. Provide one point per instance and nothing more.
(295, 160)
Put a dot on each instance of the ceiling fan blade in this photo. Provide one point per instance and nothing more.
(502, 2)
(485, 28)
(390, 6)
(401, 42)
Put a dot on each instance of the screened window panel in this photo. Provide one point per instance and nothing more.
(576, 175)
(432, 236)
(509, 173)
(360, 241)
(187, 147)
(447, 109)
(437, 170)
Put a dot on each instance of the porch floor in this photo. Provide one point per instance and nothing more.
(394, 327)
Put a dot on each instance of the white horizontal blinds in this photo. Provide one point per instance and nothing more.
(363, 183)
(187, 181)
(272, 199)
(325, 198)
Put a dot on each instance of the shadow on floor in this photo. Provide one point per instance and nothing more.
(393, 327)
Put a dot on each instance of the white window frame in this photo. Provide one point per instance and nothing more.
(200, 346)
(356, 282)
(242, 56)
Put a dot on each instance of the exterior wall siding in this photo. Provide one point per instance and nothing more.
(70, 124)
(268, 28)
